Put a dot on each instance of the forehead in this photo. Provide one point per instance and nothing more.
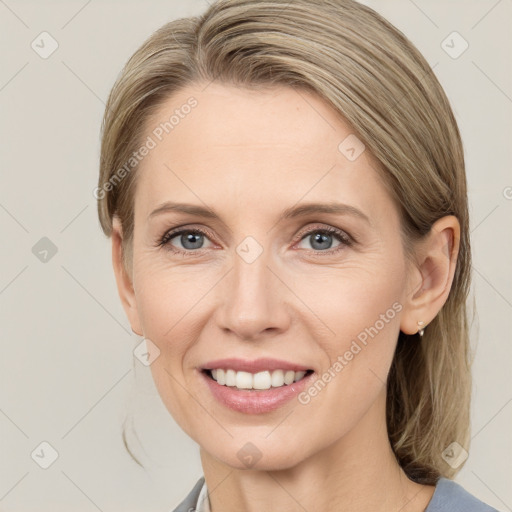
(252, 148)
(250, 118)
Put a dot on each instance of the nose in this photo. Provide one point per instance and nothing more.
(253, 300)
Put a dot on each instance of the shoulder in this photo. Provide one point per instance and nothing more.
(449, 496)
(190, 502)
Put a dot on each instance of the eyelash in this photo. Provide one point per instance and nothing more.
(345, 239)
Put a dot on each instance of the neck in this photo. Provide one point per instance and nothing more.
(359, 472)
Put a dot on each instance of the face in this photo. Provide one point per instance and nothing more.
(252, 278)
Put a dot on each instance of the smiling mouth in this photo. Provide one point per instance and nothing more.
(259, 381)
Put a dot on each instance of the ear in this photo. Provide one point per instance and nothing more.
(124, 281)
(430, 280)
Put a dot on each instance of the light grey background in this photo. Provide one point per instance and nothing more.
(68, 376)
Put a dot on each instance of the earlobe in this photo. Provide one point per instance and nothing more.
(431, 279)
(123, 280)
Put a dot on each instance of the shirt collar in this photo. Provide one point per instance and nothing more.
(203, 502)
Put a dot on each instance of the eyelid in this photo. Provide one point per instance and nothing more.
(326, 228)
(346, 240)
(187, 228)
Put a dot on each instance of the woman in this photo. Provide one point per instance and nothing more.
(285, 190)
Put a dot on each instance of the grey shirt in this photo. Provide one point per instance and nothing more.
(448, 496)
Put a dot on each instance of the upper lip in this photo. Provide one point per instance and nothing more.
(254, 366)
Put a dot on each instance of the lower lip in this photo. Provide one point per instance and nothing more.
(255, 401)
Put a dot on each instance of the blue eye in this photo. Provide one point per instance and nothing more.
(192, 240)
(321, 239)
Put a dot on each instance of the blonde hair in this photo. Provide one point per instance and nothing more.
(374, 77)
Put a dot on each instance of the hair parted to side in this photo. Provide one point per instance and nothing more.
(380, 84)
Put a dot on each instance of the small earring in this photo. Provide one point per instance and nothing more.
(421, 326)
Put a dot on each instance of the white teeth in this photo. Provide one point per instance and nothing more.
(230, 378)
(277, 378)
(261, 380)
(221, 376)
(298, 376)
(243, 380)
(288, 377)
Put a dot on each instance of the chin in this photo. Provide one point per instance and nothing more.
(258, 456)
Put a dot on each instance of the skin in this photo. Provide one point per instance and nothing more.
(248, 155)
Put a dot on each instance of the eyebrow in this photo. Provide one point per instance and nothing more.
(290, 213)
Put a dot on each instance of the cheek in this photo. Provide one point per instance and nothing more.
(167, 299)
(362, 307)
(348, 312)
(170, 301)
(350, 301)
